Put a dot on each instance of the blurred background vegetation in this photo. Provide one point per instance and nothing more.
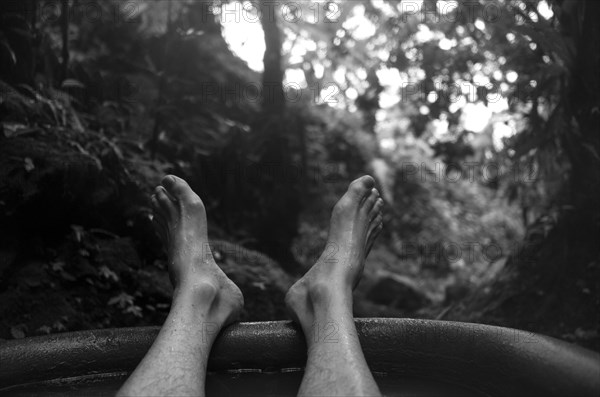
(479, 120)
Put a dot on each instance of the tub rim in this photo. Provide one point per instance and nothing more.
(487, 359)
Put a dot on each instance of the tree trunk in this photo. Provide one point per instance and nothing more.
(583, 146)
(279, 222)
(273, 99)
(64, 22)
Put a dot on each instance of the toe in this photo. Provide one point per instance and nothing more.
(362, 186)
(154, 203)
(178, 188)
(371, 200)
(158, 210)
(377, 231)
(165, 203)
(366, 181)
(375, 221)
(377, 207)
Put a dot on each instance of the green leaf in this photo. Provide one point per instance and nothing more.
(44, 329)
(107, 273)
(133, 309)
(28, 164)
(72, 83)
(22, 32)
(11, 53)
(122, 300)
(57, 266)
(59, 326)
(18, 331)
(592, 150)
(78, 232)
(67, 276)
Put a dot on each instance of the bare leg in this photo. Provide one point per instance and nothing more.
(321, 301)
(204, 299)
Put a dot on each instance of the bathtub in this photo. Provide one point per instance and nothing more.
(407, 357)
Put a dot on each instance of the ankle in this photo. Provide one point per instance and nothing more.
(199, 292)
(328, 296)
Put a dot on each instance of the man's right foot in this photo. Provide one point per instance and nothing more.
(356, 221)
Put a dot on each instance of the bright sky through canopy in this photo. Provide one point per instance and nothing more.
(243, 32)
(244, 35)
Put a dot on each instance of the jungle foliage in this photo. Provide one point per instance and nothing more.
(99, 99)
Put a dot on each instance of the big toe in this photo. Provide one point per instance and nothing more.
(178, 188)
(362, 186)
(164, 202)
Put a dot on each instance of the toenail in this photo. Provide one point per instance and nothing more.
(170, 179)
(368, 180)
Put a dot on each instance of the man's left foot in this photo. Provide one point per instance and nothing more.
(180, 217)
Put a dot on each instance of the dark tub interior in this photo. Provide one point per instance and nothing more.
(408, 358)
(235, 383)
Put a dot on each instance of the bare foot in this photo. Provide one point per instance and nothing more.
(180, 217)
(356, 221)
